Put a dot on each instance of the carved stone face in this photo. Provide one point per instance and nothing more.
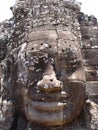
(49, 83)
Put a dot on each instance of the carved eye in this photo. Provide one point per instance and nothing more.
(40, 65)
(44, 60)
(73, 63)
(70, 58)
(35, 60)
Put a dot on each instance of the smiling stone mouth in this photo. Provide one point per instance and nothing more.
(47, 106)
(47, 112)
(48, 97)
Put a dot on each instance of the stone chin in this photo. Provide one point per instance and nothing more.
(45, 113)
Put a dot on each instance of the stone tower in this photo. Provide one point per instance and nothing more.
(32, 15)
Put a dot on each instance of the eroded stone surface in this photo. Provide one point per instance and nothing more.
(43, 79)
(89, 30)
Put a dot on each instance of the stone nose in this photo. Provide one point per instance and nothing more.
(49, 82)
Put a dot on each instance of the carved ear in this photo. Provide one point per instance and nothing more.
(7, 68)
(7, 106)
(8, 77)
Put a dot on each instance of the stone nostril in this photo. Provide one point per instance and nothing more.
(49, 84)
(41, 44)
(51, 80)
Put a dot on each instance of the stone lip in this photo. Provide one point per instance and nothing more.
(46, 113)
(47, 106)
(47, 97)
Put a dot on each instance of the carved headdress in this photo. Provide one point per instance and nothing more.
(34, 15)
(47, 13)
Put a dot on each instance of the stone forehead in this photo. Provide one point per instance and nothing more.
(52, 40)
